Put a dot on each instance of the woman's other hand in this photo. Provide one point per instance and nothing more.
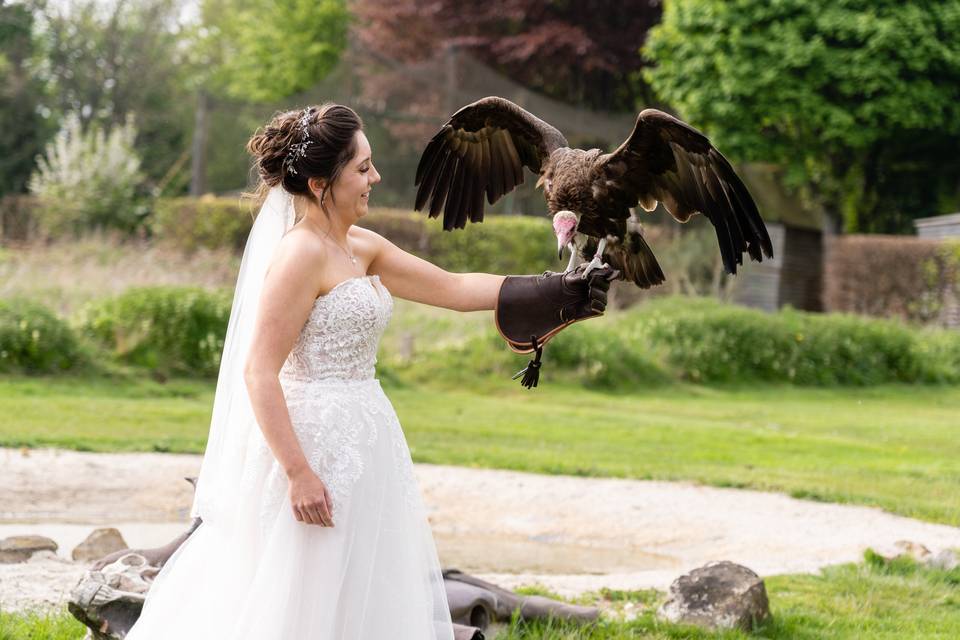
(310, 499)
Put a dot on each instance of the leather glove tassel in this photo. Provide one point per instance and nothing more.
(532, 370)
(532, 309)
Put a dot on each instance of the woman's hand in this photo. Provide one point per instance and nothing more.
(310, 499)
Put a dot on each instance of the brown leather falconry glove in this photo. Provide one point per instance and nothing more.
(532, 309)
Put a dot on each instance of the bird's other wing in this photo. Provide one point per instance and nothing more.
(482, 149)
(667, 160)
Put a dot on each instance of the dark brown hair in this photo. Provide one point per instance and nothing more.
(331, 130)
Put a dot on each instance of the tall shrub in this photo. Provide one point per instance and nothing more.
(34, 340)
(89, 179)
(177, 330)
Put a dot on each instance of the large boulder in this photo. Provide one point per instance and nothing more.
(21, 548)
(718, 595)
(98, 544)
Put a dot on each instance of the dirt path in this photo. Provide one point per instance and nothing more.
(571, 534)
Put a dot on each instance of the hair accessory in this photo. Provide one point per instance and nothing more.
(299, 149)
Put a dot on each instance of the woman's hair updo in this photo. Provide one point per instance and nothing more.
(316, 142)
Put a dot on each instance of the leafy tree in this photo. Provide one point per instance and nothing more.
(265, 50)
(858, 99)
(107, 59)
(22, 128)
(576, 52)
(259, 51)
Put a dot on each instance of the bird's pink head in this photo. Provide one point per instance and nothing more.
(564, 226)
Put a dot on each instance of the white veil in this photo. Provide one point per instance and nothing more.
(218, 497)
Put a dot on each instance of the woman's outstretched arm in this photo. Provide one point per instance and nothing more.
(413, 278)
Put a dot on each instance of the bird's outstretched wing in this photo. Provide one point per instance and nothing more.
(483, 148)
(667, 160)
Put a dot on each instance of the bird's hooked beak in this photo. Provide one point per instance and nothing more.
(560, 245)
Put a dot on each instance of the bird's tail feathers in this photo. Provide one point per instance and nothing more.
(634, 258)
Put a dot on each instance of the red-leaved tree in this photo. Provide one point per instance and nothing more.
(581, 53)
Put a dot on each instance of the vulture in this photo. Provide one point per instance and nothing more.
(483, 148)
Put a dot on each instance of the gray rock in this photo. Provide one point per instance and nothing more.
(946, 560)
(98, 544)
(21, 548)
(718, 595)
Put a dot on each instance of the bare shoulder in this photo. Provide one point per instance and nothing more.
(367, 235)
(301, 257)
(303, 245)
(371, 242)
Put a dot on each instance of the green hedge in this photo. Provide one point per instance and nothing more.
(590, 353)
(501, 244)
(165, 329)
(181, 330)
(209, 222)
(34, 340)
(705, 341)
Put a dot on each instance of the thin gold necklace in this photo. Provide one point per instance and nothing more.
(348, 254)
(353, 258)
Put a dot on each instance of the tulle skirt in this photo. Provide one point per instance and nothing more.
(374, 574)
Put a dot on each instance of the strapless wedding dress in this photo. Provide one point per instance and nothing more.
(375, 574)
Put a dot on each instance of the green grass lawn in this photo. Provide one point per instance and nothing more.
(872, 600)
(895, 447)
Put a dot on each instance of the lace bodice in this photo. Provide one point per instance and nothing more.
(342, 333)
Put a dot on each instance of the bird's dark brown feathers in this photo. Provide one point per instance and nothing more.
(457, 185)
(668, 160)
(443, 183)
(632, 256)
(432, 173)
(493, 140)
(498, 183)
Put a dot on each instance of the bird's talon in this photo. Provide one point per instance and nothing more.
(593, 264)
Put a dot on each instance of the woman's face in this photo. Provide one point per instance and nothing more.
(351, 191)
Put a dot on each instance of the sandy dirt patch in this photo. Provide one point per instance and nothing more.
(570, 534)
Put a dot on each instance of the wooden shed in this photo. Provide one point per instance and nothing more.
(795, 275)
(946, 226)
(942, 228)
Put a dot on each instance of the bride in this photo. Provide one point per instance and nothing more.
(313, 526)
